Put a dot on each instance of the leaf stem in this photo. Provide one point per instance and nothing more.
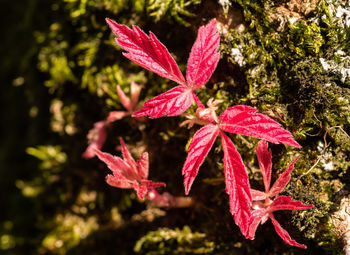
(197, 101)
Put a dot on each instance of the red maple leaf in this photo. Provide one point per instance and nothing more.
(265, 203)
(239, 119)
(150, 53)
(128, 173)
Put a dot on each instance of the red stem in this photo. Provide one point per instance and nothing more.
(197, 101)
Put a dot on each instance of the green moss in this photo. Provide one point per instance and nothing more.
(171, 9)
(168, 241)
(287, 81)
(308, 221)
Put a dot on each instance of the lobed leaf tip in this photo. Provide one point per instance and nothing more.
(109, 22)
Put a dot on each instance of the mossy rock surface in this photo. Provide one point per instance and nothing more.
(288, 59)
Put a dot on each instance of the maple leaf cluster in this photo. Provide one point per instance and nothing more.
(265, 203)
(128, 173)
(249, 207)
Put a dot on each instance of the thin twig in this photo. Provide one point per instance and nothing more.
(341, 129)
(319, 157)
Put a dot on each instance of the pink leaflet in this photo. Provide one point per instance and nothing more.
(135, 90)
(96, 138)
(147, 51)
(127, 156)
(199, 147)
(116, 115)
(143, 165)
(171, 103)
(118, 181)
(245, 120)
(89, 152)
(270, 205)
(126, 102)
(264, 157)
(282, 180)
(117, 165)
(127, 173)
(254, 221)
(284, 234)
(287, 203)
(141, 190)
(151, 184)
(204, 56)
(258, 195)
(261, 215)
(237, 184)
(129, 104)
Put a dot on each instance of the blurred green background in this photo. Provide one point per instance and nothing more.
(59, 69)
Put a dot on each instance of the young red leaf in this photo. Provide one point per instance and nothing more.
(127, 156)
(287, 203)
(264, 157)
(152, 185)
(141, 190)
(199, 147)
(147, 51)
(237, 183)
(96, 138)
(254, 221)
(129, 104)
(135, 90)
(172, 103)
(143, 165)
(116, 164)
(127, 173)
(245, 120)
(204, 56)
(116, 115)
(258, 195)
(262, 210)
(118, 182)
(282, 180)
(126, 102)
(284, 234)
